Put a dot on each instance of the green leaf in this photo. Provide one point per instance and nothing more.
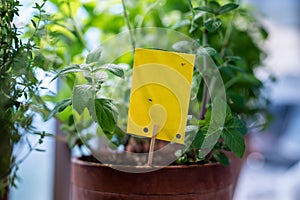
(198, 140)
(212, 24)
(67, 70)
(93, 56)
(33, 23)
(237, 124)
(232, 58)
(39, 150)
(205, 9)
(59, 107)
(83, 97)
(233, 135)
(106, 115)
(227, 8)
(206, 51)
(221, 158)
(114, 69)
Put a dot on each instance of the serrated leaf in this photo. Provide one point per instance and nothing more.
(227, 8)
(106, 115)
(233, 135)
(60, 106)
(235, 141)
(212, 24)
(221, 158)
(237, 124)
(205, 9)
(93, 56)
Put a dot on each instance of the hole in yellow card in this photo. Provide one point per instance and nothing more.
(160, 94)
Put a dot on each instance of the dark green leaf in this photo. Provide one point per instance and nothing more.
(233, 58)
(198, 140)
(233, 135)
(40, 150)
(33, 23)
(227, 8)
(106, 115)
(237, 124)
(59, 107)
(93, 56)
(212, 24)
(221, 158)
(235, 141)
(205, 9)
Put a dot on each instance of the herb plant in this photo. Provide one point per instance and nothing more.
(226, 31)
(19, 90)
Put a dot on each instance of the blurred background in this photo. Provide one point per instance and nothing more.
(271, 171)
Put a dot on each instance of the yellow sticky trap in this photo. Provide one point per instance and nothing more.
(160, 93)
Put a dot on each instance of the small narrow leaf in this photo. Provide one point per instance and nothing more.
(39, 150)
(212, 24)
(33, 23)
(67, 70)
(205, 9)
(227, 8)
(59, 107)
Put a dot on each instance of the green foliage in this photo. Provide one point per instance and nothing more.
(19, 88)
(218, 26)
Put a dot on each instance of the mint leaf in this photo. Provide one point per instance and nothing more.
(233, 135)
(106, 115)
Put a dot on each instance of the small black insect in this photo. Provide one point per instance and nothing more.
(150, 100)
(182, 64)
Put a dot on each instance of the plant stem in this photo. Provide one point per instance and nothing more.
(205, 85)
(228, 33)
(77, 30)
(128, 25)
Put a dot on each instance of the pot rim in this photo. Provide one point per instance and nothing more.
(77, 160)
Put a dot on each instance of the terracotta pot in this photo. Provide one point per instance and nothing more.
(91, 181)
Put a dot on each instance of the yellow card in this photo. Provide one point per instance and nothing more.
(160, 94)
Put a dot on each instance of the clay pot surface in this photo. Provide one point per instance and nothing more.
(91, 181)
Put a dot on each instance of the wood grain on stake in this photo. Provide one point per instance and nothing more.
(152, 144)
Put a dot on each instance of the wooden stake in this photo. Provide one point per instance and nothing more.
(152, 143)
